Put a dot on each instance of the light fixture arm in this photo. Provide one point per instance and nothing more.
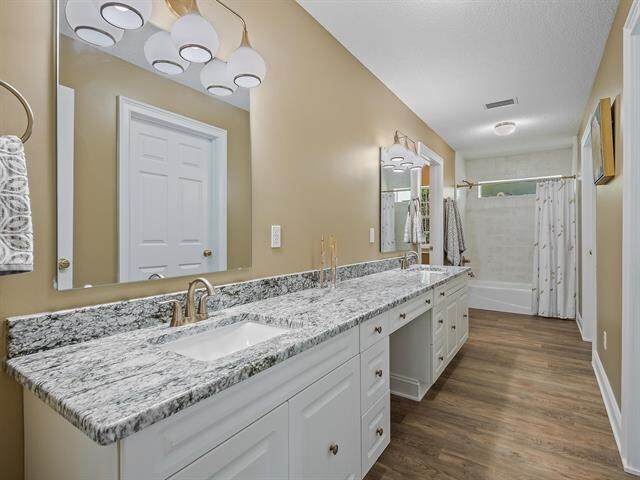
(244, 24)
(399, 135)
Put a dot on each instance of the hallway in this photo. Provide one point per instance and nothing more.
(520, 401)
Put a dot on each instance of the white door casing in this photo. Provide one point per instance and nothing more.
(588, 312)
(65, 179)
(172, 198)
(436, 197)
(630, 437)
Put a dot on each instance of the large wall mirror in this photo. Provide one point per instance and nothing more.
(154, 153)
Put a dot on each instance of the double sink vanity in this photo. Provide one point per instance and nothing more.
(294, 384)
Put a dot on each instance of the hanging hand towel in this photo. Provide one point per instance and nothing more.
(454, 245)
(413, 224)
(16, 234)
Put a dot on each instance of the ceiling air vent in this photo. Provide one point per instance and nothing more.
(501, 103)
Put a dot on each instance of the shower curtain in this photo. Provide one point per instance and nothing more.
(388, 221)
(554, 261)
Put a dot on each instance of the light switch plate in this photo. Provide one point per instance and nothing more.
(276, 236)
(372, 235)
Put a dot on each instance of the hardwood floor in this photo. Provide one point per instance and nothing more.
(519, 402)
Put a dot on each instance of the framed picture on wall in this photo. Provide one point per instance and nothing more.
(602, 143)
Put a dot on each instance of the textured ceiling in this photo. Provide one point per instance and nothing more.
(446, 58)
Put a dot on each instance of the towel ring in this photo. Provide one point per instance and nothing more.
(27, 109)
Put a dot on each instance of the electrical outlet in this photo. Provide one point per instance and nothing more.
(276, 236)
(372, 235)
(604, 339)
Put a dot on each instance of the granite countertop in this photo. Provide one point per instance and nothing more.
(115, 386)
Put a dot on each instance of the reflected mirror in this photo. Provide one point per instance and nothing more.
(397, 188)
(154, 167)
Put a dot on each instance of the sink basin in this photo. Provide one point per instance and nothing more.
(223, 341)
(428, 268)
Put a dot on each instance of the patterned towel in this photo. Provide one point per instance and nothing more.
(16, 233)
(454, 245)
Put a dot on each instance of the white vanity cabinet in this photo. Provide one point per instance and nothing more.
(324, 414)
(259, 451)
(324, 427)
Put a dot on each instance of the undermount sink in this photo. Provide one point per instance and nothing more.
(223, 341)
(428, 268)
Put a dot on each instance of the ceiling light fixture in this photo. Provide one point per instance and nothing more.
(504, 128)
(162, 54)
(85, 20)
(126, 14)
(217, 79)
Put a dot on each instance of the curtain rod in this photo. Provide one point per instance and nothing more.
(470, 185)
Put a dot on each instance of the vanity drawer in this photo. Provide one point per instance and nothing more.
(403, 314)
(439, 360)
(376, 432)
(374, 373)
(374, 330)
(438, 321)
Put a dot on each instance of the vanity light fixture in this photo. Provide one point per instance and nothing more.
(399, 170)
(217, 79)
(162, 54)
(126, 14)
(403, 157)
(195, 38)
(504, 128)
(85, 20)
(247, 66)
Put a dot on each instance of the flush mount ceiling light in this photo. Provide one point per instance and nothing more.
(217, 79)
(85, 20)
(504, 128)
(195, 38)
(247, 66)
(126, 14)
(162, 54)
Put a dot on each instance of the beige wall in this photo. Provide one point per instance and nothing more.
(608, 83)
(97, 79)
(317, 123)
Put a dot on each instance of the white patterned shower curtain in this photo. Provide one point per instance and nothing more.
(388, 221)
(554, 261)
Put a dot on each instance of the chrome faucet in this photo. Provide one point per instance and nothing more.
(404, 261)
(190, 315)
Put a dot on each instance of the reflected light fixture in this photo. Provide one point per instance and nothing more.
(504, 128)
(217, 79)
(195, 38)
(162, 54)
(247, 66)
(126, 14)
(85, 20)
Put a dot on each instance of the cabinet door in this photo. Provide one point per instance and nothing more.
(324, 427)
(259, 452)
(452, 326)
(463, 318)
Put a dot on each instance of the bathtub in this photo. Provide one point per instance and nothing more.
(509, 297)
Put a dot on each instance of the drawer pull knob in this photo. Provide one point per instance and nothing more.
(428, 301)
(441, 358)
(380, 431)
(403, 316)
(379, 373)
(442, 294)
(378, 329)
(453, 327)
(333, 448)
(465, 315)
(440, 321)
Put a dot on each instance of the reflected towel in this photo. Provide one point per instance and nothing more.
(454, 245)
(413, 224)
(16, 233)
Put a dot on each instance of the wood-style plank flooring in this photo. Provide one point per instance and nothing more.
(519, 402)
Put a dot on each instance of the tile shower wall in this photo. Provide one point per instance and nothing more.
(499, 231)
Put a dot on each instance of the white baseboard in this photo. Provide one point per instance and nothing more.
(632, 471)
(407, 387)
(579, 323)
(613, 411)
